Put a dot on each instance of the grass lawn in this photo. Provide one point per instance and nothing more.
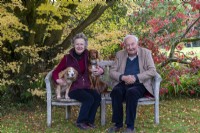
(186, 51)
(196, 51)
(177, 115)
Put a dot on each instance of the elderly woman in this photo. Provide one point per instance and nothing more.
(80, 89)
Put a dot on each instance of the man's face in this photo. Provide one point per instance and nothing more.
(79, 45)
(131, 46)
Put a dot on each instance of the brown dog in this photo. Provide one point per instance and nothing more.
(69, 75)
(95, 81)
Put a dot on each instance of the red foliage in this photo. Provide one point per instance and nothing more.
(192, 33)
(164, 32)
(181, 15)
(195, 64)
(178, 80)
(191, 53)
(156, 24)
(173, 20)
(192, 92)
(163, 91)
(179, 47)
(167, 47)
(174, 8)
(154, 4)
(195, 4)
(121, 45)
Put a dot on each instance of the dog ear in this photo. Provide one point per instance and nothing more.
(89, 54)
(76, 74)
(63, 73)
(97, 54)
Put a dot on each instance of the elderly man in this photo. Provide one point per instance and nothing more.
(132, 72)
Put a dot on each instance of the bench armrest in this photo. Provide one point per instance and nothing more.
(156, 85)
(48, 85)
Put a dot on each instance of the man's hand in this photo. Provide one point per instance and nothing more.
(129, 79)
(61, 82)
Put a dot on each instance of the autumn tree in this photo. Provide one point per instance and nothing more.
(164, 27)
(32, 33)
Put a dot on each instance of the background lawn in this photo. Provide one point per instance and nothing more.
(178, 115)
(196, 51)
(186, 51)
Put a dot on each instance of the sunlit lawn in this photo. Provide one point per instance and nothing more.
(186, 51)
(196, 51)
(180, 115)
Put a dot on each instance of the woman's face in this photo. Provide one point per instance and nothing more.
(79, 45)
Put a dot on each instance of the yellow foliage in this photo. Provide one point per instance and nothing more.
(5, 50)
(30, 53)
(9, 25)
(14, 4)
(13, 66)
(4, 82)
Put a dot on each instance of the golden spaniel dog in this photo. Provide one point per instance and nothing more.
(69, 75)
(95, 81)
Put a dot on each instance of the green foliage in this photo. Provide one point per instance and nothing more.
(109, 52)
(107, 32)
(190, 84)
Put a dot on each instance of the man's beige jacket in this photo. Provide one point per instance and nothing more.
(146, 66)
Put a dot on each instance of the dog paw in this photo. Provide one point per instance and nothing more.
(58, 97)
(67, 98)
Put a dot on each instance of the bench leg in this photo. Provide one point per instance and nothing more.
(103, 112)
(68, 112)
(136, 116)
(48, 113)
(156, 112)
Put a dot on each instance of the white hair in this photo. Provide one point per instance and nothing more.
(82, 36)
(133, 36)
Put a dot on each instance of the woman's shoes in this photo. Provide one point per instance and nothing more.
(91, 125)
(113, 129)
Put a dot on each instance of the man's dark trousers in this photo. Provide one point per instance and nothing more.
(130, 94)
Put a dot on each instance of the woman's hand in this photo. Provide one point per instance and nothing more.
(61, 82)
(98, 71)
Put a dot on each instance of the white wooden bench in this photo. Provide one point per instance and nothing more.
(51, 101)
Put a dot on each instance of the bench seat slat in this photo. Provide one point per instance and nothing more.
(65, 104)
(140, 100)
(64, 100)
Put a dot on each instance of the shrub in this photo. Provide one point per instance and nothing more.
(187, 84)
